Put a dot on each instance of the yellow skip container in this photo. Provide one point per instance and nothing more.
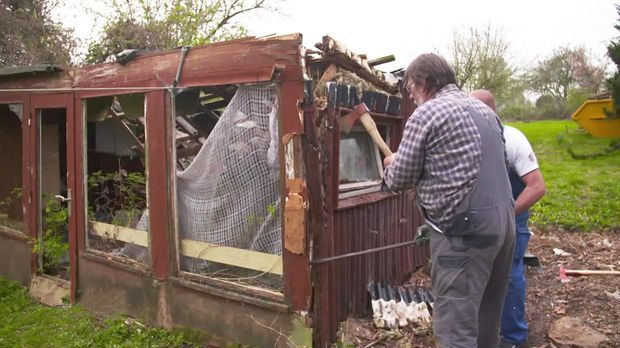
(592, 117)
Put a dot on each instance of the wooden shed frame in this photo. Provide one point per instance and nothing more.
(332, 247)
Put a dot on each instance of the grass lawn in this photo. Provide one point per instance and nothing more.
(24, 323)
(582, 194)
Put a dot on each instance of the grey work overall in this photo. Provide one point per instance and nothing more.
(471, 260)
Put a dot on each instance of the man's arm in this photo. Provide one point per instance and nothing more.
(404, 167)
(534, 190)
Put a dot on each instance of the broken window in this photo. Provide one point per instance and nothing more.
(52, 243)
(11, 213)
(227, 183)
(116, 176)
(361, 168)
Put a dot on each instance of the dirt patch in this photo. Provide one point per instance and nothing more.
(589, 298)
(593, 300)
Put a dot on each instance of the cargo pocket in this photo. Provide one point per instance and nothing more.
(452, 280)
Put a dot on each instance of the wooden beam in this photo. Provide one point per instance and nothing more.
(124, 234)
(232, 256)
(254, 260)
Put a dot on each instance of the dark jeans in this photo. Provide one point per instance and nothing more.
(514, 325)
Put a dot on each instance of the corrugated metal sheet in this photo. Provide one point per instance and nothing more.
(360, 227)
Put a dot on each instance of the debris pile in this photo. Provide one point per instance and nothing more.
(400, 306)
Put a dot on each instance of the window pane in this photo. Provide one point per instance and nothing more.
(11, 213)
(116, 176)
(358, 158)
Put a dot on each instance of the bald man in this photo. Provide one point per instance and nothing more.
(528, 187)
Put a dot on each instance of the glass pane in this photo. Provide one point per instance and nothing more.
(116, 176)
(11, 212)
(228, 196)
(358, 158)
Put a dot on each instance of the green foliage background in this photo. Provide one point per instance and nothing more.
(582, 194)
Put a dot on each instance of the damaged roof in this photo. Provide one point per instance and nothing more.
(31, 70)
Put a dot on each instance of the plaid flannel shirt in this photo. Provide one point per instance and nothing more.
(440, 153)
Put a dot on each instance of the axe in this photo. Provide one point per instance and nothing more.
(564, 273)
(361, 112)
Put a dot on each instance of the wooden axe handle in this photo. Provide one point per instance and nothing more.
(584, 272)
(371, 128)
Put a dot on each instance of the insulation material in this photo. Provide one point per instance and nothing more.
(229, 194)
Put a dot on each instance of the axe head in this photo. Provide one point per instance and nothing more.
(347, 121)
(563, 277)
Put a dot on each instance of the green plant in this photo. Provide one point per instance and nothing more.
(15, 194)
(10, 209)
(24, 323)
(110, 193)
(53, 244)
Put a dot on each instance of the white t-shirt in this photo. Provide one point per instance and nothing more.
(519, 152)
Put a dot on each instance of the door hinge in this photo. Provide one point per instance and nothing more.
(29, 122)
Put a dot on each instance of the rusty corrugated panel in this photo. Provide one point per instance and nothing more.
(360, 224)
(367, 226)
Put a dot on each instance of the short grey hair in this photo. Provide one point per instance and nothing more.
(432, 70)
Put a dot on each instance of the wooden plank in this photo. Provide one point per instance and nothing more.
(159, 149)
(254, 61)
(297, 285)
(205, 251)
(124, 234)
(232, 256)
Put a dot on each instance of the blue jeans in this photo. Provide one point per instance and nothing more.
(514, 325)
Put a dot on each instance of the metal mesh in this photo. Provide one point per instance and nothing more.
(229, 194)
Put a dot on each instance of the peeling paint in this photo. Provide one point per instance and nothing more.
(295, 224)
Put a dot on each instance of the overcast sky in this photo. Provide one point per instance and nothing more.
(533, 28)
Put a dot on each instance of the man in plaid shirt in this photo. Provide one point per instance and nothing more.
(452, 153)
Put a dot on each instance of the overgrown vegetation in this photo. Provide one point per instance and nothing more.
(12, 201)
(24, 323)
(120, 191)
(54, 242)
(583, 191)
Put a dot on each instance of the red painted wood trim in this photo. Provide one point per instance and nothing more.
(296, 268)
(157, 148)
(79, 198)
(47, 101)
(235, 62)
(75, 183)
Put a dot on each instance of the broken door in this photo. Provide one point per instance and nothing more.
(52, 151)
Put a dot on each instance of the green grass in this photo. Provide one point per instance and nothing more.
(24, 323)
(582, 194)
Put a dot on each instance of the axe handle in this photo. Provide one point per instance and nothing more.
(371, 128)
(584, 272)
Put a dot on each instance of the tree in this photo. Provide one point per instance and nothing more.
(567, 71)
(613, 83)
(479, 61)
(161, 24)
(29, 36)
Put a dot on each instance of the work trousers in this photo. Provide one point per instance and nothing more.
(470, 282)
(514, 325)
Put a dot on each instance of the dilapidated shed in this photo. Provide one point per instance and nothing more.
(209, 187)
